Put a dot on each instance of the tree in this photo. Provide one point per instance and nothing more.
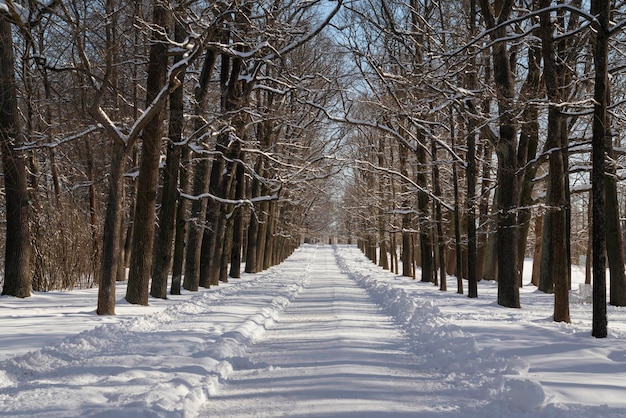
(508, 291)
(556, 195)
(167, 217)
(17, 274)
(600, 9)
(145, 215)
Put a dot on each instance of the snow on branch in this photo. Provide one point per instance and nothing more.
(238, 202)
(26, 17)
(407, 179)
(60, 141)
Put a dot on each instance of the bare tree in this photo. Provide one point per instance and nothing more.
(17, 274)
(600, 9)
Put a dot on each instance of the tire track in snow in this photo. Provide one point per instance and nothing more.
(160, 365)
(332, 352)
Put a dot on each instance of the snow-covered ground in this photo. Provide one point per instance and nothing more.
(326, 333)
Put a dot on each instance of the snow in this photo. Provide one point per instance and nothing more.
(326, 333)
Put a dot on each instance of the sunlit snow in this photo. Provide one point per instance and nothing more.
(326, 333)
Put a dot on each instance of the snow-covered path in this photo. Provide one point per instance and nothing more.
(326, 333)
(331, 353)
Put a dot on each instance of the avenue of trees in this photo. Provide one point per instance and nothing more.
(484, 131)
(153, 138)
(143, 138)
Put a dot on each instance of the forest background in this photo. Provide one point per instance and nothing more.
(147, 138)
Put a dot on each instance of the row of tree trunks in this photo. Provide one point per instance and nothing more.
(200, 179)
(169, 195)
(147, 181)
(556, 199)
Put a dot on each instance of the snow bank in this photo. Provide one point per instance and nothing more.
(168, 363)
(448, 349)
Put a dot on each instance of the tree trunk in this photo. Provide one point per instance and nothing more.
(484, 232)
(529, 140)
(253, 226)
(200, 180)
(181, 224)
(600, 9)
(614, 238)
(237, 242)
(147, 181)
(508, 289)
(441, 244)
(17, 260)
(458, 271)
(167, 218)
(111, 248)
(212, 238)
(556, 199)
(537, 252)
(407, 247)
(423, 207)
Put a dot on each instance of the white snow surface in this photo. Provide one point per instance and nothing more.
(326, 333)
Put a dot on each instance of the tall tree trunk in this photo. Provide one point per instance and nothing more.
(111, 248)
(181, 223)
(237, 241)
(17, 260)
(211, 240)
(537, 252)
(253, 226)
(423, 207)
(200, 180)
(614, 238)
(472, 171)
(557, 199)
(529, 140)
(441, 242)
(167, 218)
(407, 247)
(458, 270)
(484, 232)
(601, 10)
(147, 181)
(382, 190)
(508, 289)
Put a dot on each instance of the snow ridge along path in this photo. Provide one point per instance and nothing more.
(333, 352)
(165, 364)
(326, 333)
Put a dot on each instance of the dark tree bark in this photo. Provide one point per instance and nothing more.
(423, 208)
(147, 181)
(601, 10)
(472, 171)
(508, 289)
(383, 260)
(407, 247)
(237, 241)
(167, 216)
(441, 244)
(529, 140)
(558, 172)
(181, 223)
(200, 181)
(614, 238)
(111, 248)
(458, 270)
(614, 241)
(17, 268)
(253, 226)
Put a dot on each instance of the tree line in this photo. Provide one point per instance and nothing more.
(484, 131)
(148, 138)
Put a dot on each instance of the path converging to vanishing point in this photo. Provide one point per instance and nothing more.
(332, 351)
